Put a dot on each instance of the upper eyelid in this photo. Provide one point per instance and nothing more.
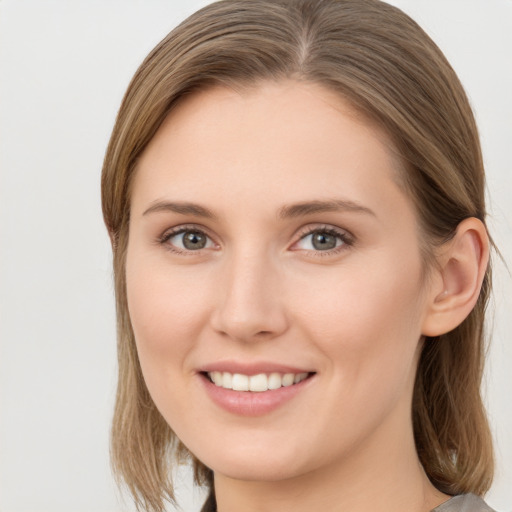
(307, 230)
(299, 234)
(176, 230)
(304, 230)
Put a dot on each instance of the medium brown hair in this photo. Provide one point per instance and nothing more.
(384, 64)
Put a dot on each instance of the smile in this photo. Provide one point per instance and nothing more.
(254, 390)
(257, 383)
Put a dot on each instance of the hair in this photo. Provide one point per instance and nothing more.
(380, 61)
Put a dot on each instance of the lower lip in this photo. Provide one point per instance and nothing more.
(252, 403)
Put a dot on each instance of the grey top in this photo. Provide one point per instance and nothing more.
(462, 503)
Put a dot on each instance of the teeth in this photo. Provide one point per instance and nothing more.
(298, 377)
(217, 378)
(275, 381)
(227, 380)
(288, 379)
(240, 382)
(257, 383)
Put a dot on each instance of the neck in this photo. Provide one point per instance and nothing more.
(384, 476)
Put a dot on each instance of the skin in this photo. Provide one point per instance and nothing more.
(260, 291)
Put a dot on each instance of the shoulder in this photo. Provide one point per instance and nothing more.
(464, 503)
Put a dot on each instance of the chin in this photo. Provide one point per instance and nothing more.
(271, 463)
(259, 471)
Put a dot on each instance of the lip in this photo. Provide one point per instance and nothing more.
(253, 368)
(249, 403)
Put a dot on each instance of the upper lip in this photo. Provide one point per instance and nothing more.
(251, 368)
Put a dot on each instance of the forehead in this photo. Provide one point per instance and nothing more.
(276, 141)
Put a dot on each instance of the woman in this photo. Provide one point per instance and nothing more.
(294, 194)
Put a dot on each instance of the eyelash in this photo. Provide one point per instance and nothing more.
(164, 239)
(346, 238)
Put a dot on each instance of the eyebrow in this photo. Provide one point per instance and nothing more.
(312, 207)
(184, 208)
(285, 212)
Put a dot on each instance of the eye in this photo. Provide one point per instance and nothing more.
(187, 239)
(322, 239)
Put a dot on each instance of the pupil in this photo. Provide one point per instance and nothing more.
(193, 240)
(324, 241)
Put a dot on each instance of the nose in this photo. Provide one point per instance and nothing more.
(250, 303)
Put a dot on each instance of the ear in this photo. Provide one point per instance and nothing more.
(462, 262)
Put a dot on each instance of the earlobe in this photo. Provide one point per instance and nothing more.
(462, 264)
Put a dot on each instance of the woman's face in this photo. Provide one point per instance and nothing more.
(269, 237)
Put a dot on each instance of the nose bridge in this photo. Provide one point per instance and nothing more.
(249, 304)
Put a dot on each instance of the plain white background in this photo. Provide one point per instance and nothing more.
(64, 67)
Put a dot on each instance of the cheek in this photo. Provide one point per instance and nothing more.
(167, 309)
(367, 326)
(367, 321)
(167, 312)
